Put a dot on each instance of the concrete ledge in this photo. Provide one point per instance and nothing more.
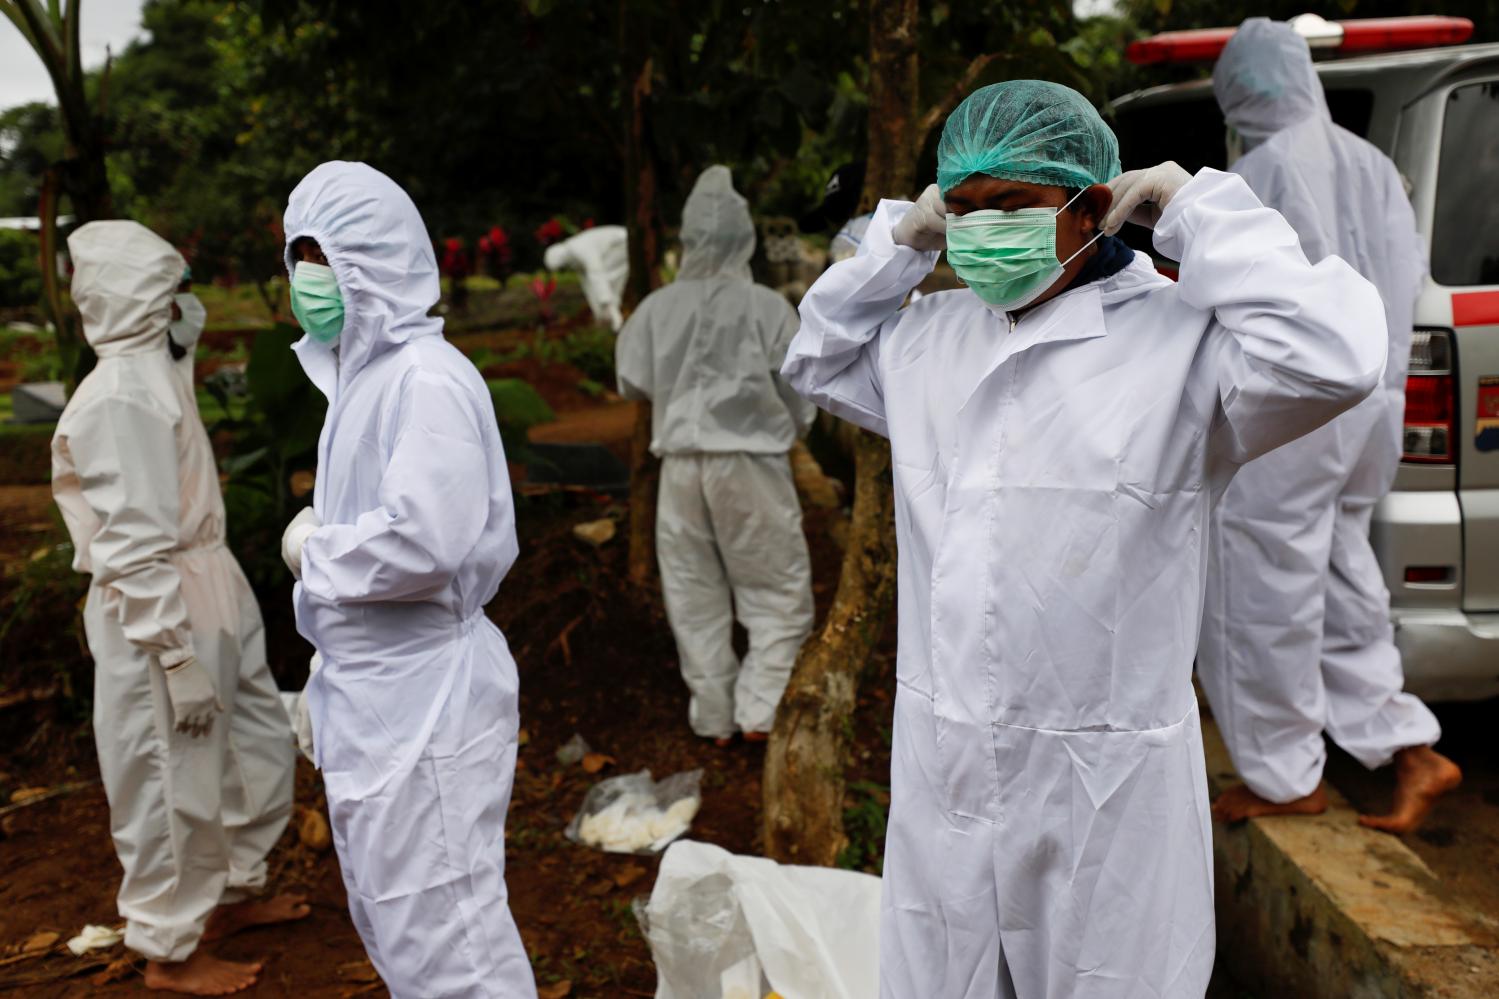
(1322, 908)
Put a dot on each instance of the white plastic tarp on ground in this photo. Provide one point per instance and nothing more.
(718, 922)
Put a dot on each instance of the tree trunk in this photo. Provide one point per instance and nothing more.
(642, 220)
(53, 33)
(808, 752)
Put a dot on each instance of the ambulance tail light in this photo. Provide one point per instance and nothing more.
(1429, 399)
(1359, 35)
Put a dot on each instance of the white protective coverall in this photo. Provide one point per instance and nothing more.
(134, 475)
(1049, 823)
(416, 704)
(1296, 629)
(706, 351)
(602, 256)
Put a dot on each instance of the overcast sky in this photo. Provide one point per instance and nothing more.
(106, 23)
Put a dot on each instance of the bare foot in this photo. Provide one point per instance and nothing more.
(757, 737)
(1239, 803)
(1422, 775)
(230, 919)
(201, 975)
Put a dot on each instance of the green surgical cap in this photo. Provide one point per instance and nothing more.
(1027, 130)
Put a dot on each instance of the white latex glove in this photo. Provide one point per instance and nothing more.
(295, 536)
(924, 227)
(613, 317)
(303, 721)
(194, 701)
(1140, 196)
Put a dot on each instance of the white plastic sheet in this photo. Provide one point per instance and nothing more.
(722, 926)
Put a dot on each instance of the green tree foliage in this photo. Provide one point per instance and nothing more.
(508, 114)
(30, 140)
(20, 274)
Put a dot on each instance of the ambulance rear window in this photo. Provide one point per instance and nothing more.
(1464, 250)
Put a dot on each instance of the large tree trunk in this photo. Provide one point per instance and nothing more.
(809, 745)
(642, 219)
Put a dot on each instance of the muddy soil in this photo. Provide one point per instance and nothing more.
(1460, 839)
(595, 659)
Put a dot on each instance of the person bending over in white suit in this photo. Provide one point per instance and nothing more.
(706, 351)
(193, 740)
(1059, 429)
(414, 710)
(601, 256)
(1296, 636)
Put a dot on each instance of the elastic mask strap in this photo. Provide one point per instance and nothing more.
(1096, 236)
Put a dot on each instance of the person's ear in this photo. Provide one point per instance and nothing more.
(1094, 204)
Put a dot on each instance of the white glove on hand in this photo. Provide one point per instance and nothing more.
(1140, 196)
(295, 536)
(924, 227)
(194, 701)
(614, 317)
(303, 721)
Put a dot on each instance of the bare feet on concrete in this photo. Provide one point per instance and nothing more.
(201, 975)
(1239, 803)
(230, 919)
(1422, 775)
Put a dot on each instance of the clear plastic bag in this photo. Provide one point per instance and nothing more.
(634, 814)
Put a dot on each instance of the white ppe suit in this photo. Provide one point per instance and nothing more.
(135, 478)
(706, 350)
(415, 707)
(601, 256)
(1296, 631)
(1049, 824)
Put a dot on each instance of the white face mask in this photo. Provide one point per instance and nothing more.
(186, 331)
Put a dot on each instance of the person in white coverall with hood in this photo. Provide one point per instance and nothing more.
(1059, 429)
(601, 256)
(1296, 636)
(414, 710)
(706, 350)
(192, 737)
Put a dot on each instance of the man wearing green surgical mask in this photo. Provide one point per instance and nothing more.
(413, 713)
(1058, 430)
(315, 297)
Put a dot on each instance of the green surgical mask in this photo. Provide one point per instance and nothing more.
(1008, 258)
(316, 302)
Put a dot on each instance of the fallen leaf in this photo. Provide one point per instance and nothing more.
(313, 831)
(595, 532)
(557, 990)
(40, 941)
(626, 876)
(358, 971)
(594, 762)
(600, 888)
(523, 738)
(27, 793)
(119, 969)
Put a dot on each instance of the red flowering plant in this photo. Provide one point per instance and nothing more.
(544, 289)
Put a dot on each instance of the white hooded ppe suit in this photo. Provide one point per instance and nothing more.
(1049, 823)
(135, 478)
(1296, 629)
(601, 256)
(706, 350)
(415, 706)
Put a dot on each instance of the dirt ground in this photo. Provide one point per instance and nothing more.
(595, 659)
(1460, 840)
